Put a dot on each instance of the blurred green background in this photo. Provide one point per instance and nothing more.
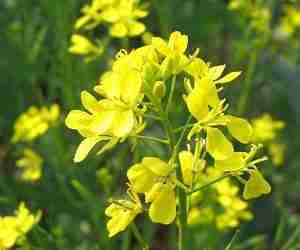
(37, 69)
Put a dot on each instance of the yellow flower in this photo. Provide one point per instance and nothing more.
(25, 219)
(153, 177)
(82, 46)
(122, 213)
(172, 52)
(118, 115)
(242, 162)
(14, 227)
(223, 207)
(290, 22)
(121, 16)
(204, 104)
(190, 167)
(199, 69)
(277, 150)
(256, 185)
(265, 128)
(34, 122)
(30, 165)
(8, 232)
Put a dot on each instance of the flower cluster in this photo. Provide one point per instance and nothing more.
(34, 123)
(266, 130)
(257, 12)
(83, 46)
(121, 16)
(29, 126)
(223, 207)
(30, 165)
(290, 22)
(135, 90)
(14, 228)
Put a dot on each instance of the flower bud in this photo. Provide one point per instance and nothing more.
(187, 85)
(159, 89)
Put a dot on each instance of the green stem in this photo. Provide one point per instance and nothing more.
(181, 194)
(139, 237)
(243, 101)
(170, 99)
(209, 184)
(150, 138)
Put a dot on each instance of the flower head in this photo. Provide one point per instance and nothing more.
(122, 213)
(34, 122)
(30, 165)
(153, 177)
(14, 227)
(121, 16)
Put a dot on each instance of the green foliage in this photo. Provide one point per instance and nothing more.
(37, 69)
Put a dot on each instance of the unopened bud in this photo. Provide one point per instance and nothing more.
(159, 89)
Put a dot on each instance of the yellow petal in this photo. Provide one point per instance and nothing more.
(110, 15)
(233, 163)
(186, 159)
(131, 87)
(123, 123)
(209, 91)
(80, 22)
(119, 30)
(110, 85)
(256, 186)
(197, 68)
(157, 166)
(216, 71)
(239, 128)
(197, 104)
(103, 122)
(120, 222)
(85, 147)
(141, 178)
(218, 145)
(229, 77)
(136, 28)
(163, 208)
(160, 45)
(178, 42)
(90, 103)
(77, 119)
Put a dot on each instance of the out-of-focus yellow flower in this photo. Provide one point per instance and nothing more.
(30, 165)
(290, 22)
(257, 13)
(265, 128)
(154, 178)
(224, 208)
(14, 227)
(198, 216)
(121, 16)
(34, 123)
(122, 213)
(82, 46)
(276, 151)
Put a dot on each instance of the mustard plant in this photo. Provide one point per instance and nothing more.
(140, 87)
